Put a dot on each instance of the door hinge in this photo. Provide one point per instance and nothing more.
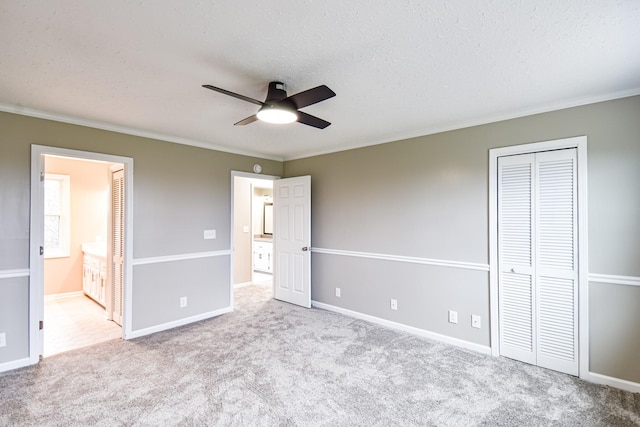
(41, 250)
(41, 176)
(41, 324)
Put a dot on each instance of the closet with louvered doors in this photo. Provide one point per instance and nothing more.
(537, 259)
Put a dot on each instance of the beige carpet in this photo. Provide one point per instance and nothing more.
(274, 364)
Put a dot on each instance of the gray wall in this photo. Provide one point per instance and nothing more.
(424, 197)
(179, 191)
(14, 317)
(428, 197)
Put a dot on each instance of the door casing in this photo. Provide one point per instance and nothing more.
(36, 239)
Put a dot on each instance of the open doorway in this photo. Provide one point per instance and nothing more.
(252, 230)
(79, 293)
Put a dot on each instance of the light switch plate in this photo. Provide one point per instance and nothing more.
(245, 229)
(3, 339)
(453, 316)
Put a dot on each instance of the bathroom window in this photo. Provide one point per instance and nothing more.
(56, 215)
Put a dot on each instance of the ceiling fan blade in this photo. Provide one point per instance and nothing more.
(246, 121)
(308, 119)
(235, 95)
(311, 96)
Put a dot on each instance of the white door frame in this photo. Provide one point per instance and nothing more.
(36, 239)
(249, 175)
(580, 143)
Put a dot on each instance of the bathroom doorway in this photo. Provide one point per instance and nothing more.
(252, 230)
(78, 261)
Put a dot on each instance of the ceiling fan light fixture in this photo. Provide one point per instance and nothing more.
(277, 115)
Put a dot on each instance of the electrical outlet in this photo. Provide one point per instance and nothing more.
(338, 292)
(453, 316)
(394, 304)
(183, 302)
(209, 234)
(475, 321)
(3, 339)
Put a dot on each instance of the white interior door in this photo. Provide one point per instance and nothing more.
(538, 272)
(292, 244)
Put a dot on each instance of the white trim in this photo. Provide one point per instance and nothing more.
(64, 295)
(401, 258)
(252, 175)
(15, 364)
(583, 257)
(180, 257)
(614, 280)
(130, 131)
(8, 274)
(476, 122)
(631, 386)
(399, 326)
(176, 323)
(580, 143)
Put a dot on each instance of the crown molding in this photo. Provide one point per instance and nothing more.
(23, 111)
(578, 102)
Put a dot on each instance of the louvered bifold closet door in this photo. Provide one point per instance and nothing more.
(516, 257)
(556, 269)
(537, 242)
(117, 197)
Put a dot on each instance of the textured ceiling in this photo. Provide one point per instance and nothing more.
(400, 69)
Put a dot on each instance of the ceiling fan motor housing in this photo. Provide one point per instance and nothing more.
(276, 92)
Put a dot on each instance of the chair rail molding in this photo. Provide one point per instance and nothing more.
(402, 258)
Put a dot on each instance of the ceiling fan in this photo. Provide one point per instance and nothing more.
(280, 108)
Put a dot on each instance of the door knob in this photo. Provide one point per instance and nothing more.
(305, 249)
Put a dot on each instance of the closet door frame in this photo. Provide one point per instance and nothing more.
(580, 143)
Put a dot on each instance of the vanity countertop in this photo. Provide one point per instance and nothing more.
(95, 249)
(259, 238)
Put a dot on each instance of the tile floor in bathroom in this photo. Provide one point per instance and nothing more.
(262, 278)
(75, 321)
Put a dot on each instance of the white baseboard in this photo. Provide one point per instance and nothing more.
(613, 382)
(15, 364)
(63, 295)
(410, 329)
(170, 325)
